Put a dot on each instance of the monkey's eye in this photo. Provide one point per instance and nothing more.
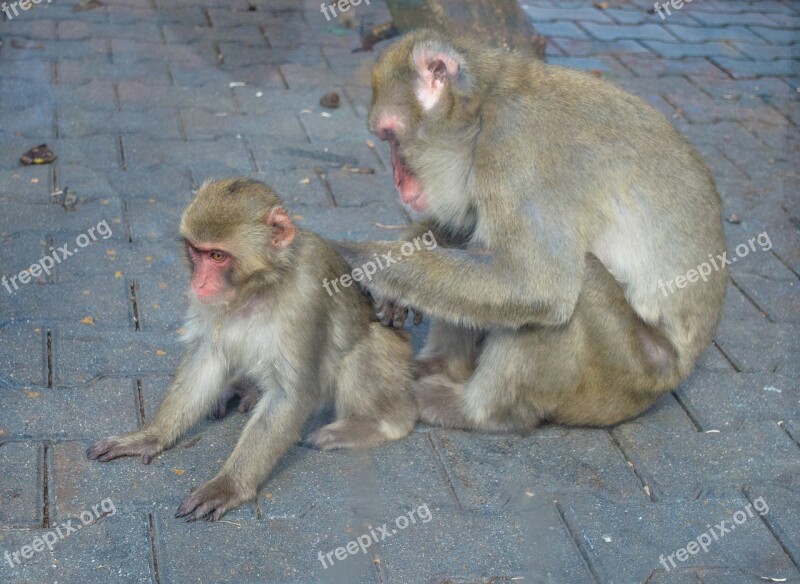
(217, 256)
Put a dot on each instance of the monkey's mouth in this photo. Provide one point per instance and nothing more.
(407, 184)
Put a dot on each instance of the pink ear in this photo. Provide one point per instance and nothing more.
(435, 69)
(284, 230)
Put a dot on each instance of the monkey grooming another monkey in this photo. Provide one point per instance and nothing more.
(259, 311)
(561, 204)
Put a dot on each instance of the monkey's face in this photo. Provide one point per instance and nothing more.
(212, 269)
(236, 234)
(415, 87)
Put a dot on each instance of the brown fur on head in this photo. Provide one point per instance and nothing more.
(238, 237)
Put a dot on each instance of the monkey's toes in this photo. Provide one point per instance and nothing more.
(116, 446)
(327, 438)
(391, 314)
(209, 502)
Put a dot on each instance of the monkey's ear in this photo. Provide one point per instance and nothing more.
(283, 230)
(437, 65)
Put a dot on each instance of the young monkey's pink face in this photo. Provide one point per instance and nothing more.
(211, 268)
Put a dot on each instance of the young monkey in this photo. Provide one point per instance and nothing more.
(259, 310)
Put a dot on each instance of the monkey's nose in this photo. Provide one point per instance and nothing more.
(386, 134)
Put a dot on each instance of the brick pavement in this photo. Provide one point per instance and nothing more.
(144, 99)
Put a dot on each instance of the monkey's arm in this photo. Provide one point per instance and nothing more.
(508, 288)
(200, 379)
(273, 428)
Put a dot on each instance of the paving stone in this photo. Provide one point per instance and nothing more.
(645, 66)
(51, 50)
(761, 346)
(42, 215)
(775, 36)
(678, 465)
(100, 408)
(114, 549)
(204, 125)
(141, 153)
(463, 547)
(746, 69)
(281, 550)
(624, 542)
(356, 190)
(769, 52)
(23, 352)
(614, 32)
(727, 18)
(581, 48)
(81, 355)
(713, 360)
(673, 50)
(585, 14)
(728, 400)
(98, 302)
(79, 72)
(20, 485)
(783, 516)
(133, 486)
(567, 30)
(154, 218)
(79, 122)
(143, 96)
(487, 471)
(779, 299)
(368, 221)
(162, 302)
(705, 33)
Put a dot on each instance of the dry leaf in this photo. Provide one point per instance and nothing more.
(33, 394)
(117, 274)
(87, 320)
(160, 353)
(179, 471)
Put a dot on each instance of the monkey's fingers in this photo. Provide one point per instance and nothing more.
(107, 449)
(210, 502)
(418, 316)
(118, 446)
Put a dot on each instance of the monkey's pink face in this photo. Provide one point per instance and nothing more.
(407, 183)
(211, 274)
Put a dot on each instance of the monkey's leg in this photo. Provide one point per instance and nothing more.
(605, 366)
(273, 428)
(449, 349)
(197, 384)
(245, 390)
(492, 399)
(373, 394)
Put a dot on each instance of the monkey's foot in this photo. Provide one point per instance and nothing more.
(116, 446)
(438, 399)
(428, 366)
(355, 433)
(247, 393)
(211, 501)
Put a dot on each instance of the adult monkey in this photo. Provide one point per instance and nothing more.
(562, 205)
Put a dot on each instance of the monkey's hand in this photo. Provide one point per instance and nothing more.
(394, 315)
(138, 444)
(212, 500)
